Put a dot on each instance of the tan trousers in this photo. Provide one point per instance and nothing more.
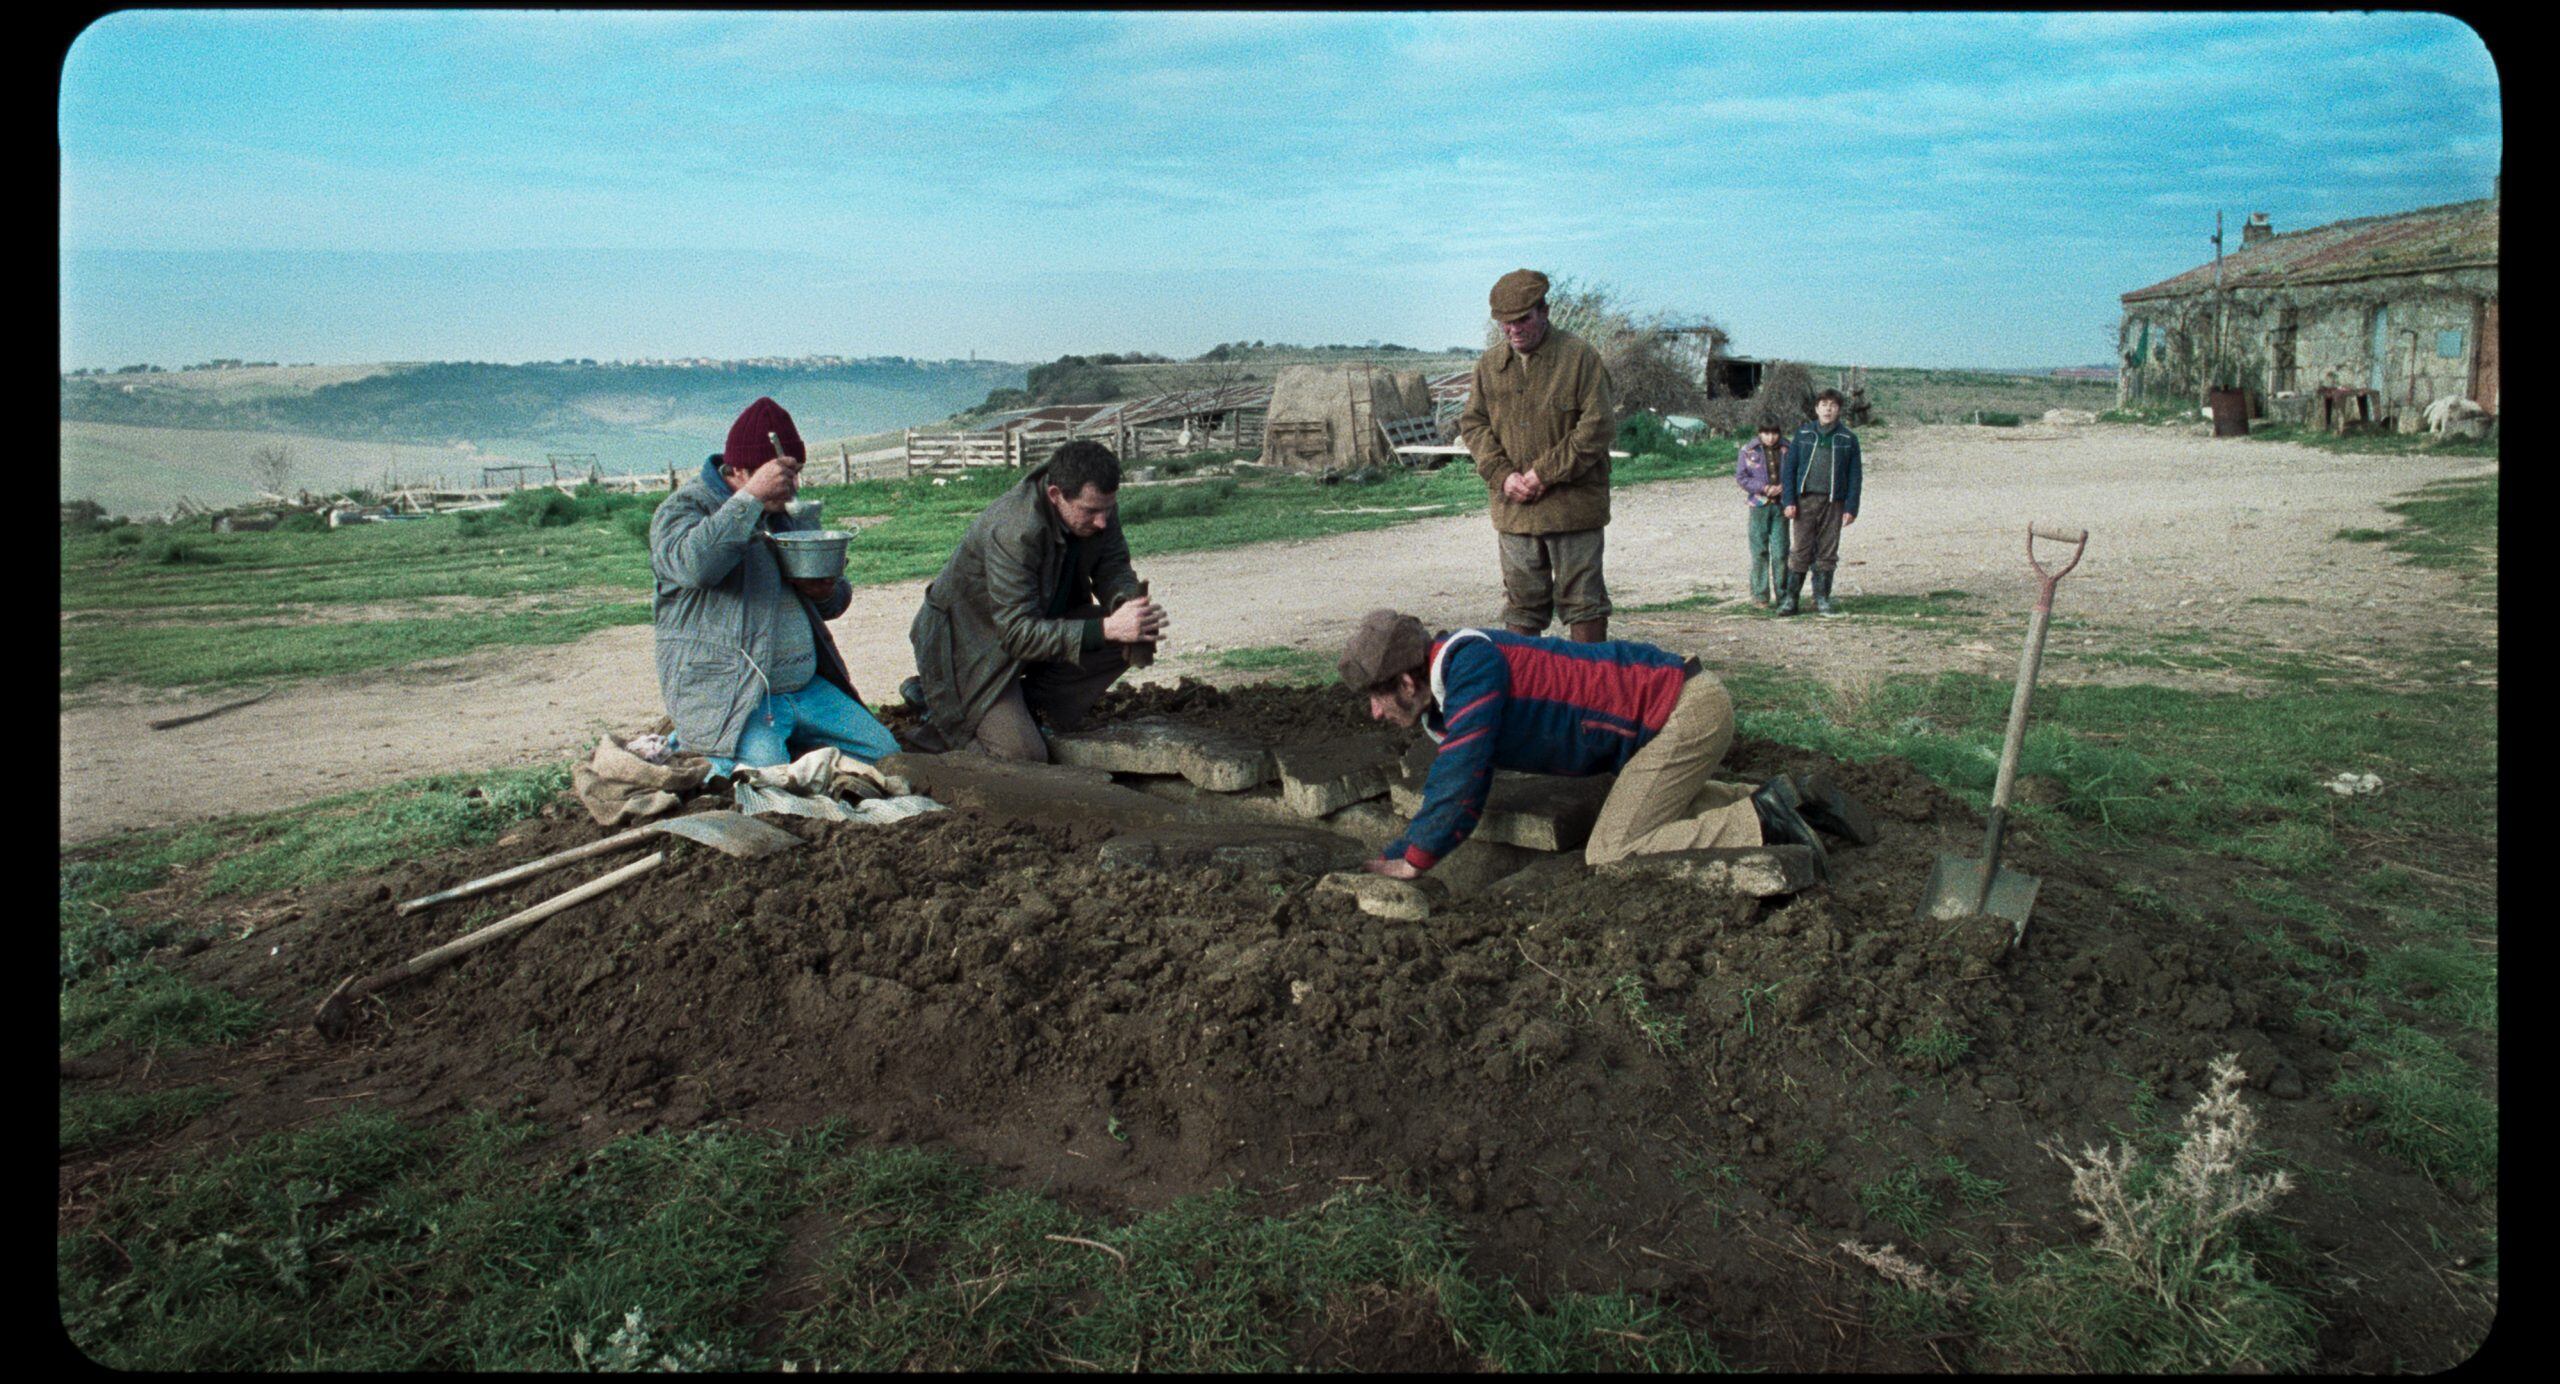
(1663, 800)
(1062, 691)
(1552, 576)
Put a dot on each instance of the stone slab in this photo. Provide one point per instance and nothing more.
(1760, 872)
(1253, 806)
(1218, 760)
(1542, 812)
(1476, 865)
(1330, 775)
(1372, 824)
(1393, 899)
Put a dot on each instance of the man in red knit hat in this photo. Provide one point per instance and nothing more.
(746, 666)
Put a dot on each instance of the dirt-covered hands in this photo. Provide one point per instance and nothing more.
(1138, 621)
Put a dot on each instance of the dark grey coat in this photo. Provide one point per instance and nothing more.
(982, 618)
(713, 578)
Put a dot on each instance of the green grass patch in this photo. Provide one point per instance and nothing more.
(362, 1243)
(1939, 1049)
(90, 1119)
(2238, 774)
(1902, 1200)
(1934, 605)
(1664, 1033)
(2455, 979)
(149, 1007)
(220, 655)
(365, 1244)
(1286, 663)
(1190, 500)
(1702, 600)
(2374, 443)
(2078, 1310)
(359, 832)
(2426, 1103)
(1974, 1190)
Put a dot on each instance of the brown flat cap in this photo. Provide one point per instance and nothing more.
(1385, 644)
(1517, 292)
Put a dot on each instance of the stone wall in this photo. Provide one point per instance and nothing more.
(2333, 339)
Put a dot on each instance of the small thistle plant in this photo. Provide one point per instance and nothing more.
(2167, 1229)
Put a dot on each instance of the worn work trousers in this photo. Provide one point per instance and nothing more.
(1814, 541)
(791, 724)
(1060, 691)
(1547, 576)
(1663, 800)
(1768, 532)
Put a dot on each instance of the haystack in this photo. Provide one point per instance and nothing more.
(1325, 418)
(1785, 397)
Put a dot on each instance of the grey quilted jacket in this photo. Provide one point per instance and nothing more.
(714, 580)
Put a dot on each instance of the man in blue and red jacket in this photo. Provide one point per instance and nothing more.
(1497, 700)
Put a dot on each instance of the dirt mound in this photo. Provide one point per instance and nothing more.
(1614, 1079)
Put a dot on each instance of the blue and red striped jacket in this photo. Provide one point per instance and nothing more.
(1546, 706)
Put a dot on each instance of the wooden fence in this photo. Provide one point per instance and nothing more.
(1018, 447)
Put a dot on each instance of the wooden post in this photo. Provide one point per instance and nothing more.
(845, 455)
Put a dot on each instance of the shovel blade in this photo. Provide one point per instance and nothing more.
(731, 833)
(1957, 881)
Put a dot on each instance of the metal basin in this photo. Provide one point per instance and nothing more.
(811, 553)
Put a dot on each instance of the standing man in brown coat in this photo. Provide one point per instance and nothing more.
(1540, 416)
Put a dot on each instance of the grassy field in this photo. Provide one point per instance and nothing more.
(154, 606)
(466, 1248)
(1907, 395)
(143, 470)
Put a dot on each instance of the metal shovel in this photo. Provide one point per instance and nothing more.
(1959, 887)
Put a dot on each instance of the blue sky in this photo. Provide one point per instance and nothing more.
(1890, 189)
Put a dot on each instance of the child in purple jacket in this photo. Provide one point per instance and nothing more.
(1757, 471)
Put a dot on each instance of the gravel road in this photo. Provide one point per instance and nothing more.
(2185, 531)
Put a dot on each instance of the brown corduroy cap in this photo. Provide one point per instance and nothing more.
(1385, 644)
(1515, 293)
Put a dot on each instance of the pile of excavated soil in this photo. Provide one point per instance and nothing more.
(1128, 1036)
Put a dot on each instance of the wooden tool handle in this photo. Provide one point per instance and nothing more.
(1143, 653)
(527, 870)
(513, 923)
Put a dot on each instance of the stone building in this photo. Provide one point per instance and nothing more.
(2405, 306)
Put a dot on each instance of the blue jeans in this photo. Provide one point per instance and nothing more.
(790, 724)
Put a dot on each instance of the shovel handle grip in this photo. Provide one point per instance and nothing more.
(2079, 545)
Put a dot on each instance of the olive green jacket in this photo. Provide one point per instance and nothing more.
(985, 615)
(1553, 413)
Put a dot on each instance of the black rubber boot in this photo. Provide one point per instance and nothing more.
(1822, 595)
(1822, 803)
(1795, 588)
(1782, 825)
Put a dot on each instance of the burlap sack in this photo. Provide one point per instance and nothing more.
(619, 787)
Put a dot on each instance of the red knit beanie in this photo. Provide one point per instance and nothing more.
(749, 448)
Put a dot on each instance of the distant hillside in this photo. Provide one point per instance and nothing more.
(470, 402)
